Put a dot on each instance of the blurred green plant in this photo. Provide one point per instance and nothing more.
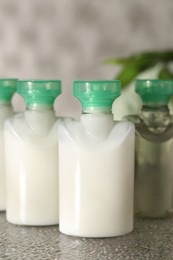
(134, 65)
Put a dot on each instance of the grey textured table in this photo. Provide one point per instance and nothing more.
(151, 239)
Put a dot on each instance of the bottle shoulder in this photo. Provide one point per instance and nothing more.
(5, 113)
(72, 124)
(78, 133)
(17, 120)
(135, 119)
(153, 130)
(31, 128)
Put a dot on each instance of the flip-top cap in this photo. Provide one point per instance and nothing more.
(8, 87)
(154, 91)
(95, 95)
(39, 91)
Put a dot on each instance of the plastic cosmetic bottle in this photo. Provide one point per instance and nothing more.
(7, 88)
(154, 150)
(96, 166)
(31, 147)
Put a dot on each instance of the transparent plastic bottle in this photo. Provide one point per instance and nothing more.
(96, 166)
(31, 146)
(154, 150)
(7, 88)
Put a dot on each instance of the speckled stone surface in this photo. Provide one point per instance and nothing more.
(151, 239)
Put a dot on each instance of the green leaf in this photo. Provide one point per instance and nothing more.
(133, 65)
(120, 61)
(165, 73)
(143, 58)
(127, 75)
(154, 55)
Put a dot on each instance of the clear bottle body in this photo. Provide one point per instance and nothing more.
(5, 112)
(31, 148)
(153, 162)
(96, 176)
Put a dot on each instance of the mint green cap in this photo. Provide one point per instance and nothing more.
(8, 87)
(154, 91)
(41, 92)
(97, 94)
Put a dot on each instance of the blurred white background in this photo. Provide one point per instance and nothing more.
(70, 40)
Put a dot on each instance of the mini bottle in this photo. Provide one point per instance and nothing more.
(7, 89)
(96, 166)
(154, 150)
(31, 146)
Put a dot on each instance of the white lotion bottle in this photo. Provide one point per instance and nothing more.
(31, 147)
(96, 166)
(8, 87)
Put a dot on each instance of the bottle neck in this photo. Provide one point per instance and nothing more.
(156, 116)
(39, 107)
(155, 109)
(97, 110)
(40, 118)
(97, 125)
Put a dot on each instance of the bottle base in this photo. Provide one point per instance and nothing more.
(31, 223)
(153, 215)
(94, 235)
